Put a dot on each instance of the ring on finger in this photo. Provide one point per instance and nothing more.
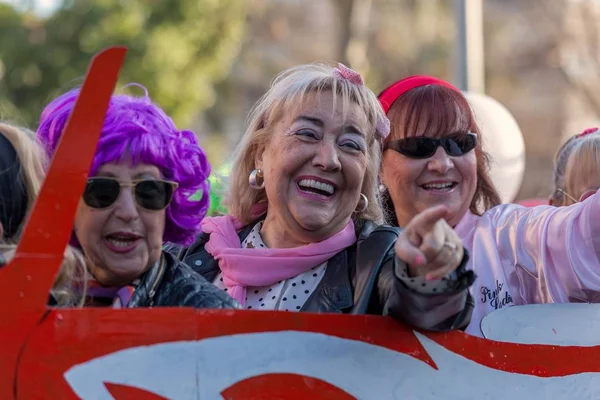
(450, 245)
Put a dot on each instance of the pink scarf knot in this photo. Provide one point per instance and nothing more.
(257, 267)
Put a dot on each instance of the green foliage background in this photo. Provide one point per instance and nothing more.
(177, 49)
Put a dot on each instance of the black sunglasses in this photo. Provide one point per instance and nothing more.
(455, 145)
(149, 194)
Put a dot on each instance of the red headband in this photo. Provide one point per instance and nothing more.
(391, 94)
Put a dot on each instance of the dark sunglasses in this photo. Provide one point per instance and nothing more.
(149, 194)
(424, 147)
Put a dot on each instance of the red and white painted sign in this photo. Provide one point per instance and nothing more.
(181, 353)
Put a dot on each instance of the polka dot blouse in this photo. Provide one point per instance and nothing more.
(285, 295)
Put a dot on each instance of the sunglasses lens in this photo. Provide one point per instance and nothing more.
(101, 192)
(153, 195)
(424, 147)
(417, 147)
(460, 144)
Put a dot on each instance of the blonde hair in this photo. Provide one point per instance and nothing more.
(579, 155)
(32, 160)
(33, 163)
(288, 90)
(70, 284)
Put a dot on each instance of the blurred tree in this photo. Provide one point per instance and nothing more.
(410, 37)
(354, 17)
(13, 41)
(576, 45)
(177, 50)
(384, 40)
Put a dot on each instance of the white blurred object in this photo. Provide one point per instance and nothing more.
(503, 140)
(569, 324)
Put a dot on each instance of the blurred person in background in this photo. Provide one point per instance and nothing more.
(577, 169)
(22, 172)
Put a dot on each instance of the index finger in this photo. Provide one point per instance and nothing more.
(424, 222)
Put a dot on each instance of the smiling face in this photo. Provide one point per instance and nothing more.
(314, 165)
(123, 240)
(417, 184)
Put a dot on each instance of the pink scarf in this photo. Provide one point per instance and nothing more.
(257, 267)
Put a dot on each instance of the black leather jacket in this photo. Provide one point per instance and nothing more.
(171, 283)
(362, 280)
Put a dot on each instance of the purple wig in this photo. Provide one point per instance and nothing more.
(135, 128)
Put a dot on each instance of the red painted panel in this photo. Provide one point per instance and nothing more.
(72, 337)
(39, 345)
(284, 387)
(24, 283)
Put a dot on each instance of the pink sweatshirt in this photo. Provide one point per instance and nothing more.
(526, 255)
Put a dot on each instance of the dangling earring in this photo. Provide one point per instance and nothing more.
(255, 175)
(365, 202)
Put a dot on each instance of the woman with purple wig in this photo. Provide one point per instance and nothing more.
(138, 194)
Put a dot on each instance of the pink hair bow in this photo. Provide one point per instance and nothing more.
(382, 126)
(343, 72)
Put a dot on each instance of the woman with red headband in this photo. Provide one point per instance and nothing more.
(433, 156)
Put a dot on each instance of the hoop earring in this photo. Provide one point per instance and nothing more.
(255, 175)
(365, 204)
